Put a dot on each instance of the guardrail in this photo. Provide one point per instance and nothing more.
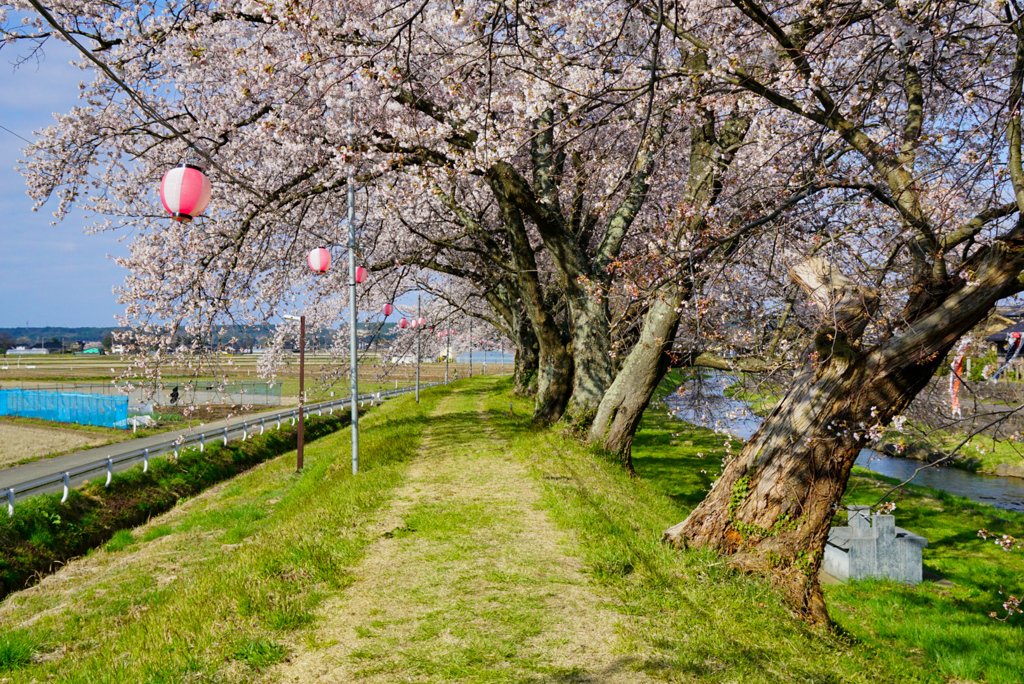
(199, 439)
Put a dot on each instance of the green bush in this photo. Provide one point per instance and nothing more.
(44, 532)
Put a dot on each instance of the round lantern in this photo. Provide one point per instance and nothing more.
(414, 323)
(423, 321)
(319, 260)
(388, 309)
(185, 192)
(360, 274)
(402, 323)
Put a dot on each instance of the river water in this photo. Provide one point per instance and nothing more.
(704, 403)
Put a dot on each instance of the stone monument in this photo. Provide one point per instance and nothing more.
(872, 546)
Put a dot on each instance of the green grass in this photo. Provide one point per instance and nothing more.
(943, 631)
(685, 615)
(950, 625)
(121, 540)
(226, 578)
(233, 582)
(988, 453)
(260, 653)
(16, 649)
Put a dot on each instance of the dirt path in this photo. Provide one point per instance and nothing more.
(467, 582)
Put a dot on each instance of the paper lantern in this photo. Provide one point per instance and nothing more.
(360, 274)
(388, 309)
(319, 260)
(402, 323)
(423, 321)
(185, 192)
(414, 323)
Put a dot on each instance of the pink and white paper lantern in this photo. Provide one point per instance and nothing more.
(360, 274)
(319, 260)
(185, 192)
(388, 309)
(403, 323)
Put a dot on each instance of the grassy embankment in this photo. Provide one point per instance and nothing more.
(211, 586)
(946, 626)
(227, 585)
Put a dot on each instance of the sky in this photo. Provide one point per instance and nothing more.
(49, 275)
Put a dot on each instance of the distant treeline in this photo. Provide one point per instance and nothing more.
(245, 337)
(10, 337)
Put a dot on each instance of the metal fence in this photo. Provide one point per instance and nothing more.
(65, 407)
(243, 429)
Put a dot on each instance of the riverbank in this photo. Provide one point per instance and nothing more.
(980, 454)
(948, 624)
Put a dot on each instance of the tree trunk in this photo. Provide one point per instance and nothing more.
(554, 362)
(527, 358)
(623, 405)
(591, 349)
(772, 507)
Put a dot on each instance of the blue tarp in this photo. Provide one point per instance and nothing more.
(65, 407)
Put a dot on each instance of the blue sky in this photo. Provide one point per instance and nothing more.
(49, 275)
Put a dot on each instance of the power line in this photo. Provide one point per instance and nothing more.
(15, 134)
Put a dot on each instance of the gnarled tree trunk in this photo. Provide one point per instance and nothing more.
(772, 507)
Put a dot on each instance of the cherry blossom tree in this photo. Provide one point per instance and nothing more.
(544, 119)
(925, 96)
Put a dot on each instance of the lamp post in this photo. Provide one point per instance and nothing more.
(302, 387)
(353, 332)
(419, 310)
(470, 347)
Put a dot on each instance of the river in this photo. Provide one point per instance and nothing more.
(706, 405)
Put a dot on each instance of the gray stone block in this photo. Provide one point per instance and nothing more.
(872, 546)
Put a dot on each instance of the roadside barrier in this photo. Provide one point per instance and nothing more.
(243, 430)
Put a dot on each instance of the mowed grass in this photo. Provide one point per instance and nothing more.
(214, 590)
(686, 617)
(941, 632)
(228, 587)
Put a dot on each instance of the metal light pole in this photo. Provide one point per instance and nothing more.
(353, 332)
(470, 347)
(302, 388)
(418, 336)
(447, 353)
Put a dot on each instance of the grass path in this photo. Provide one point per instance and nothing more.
(467, 580)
